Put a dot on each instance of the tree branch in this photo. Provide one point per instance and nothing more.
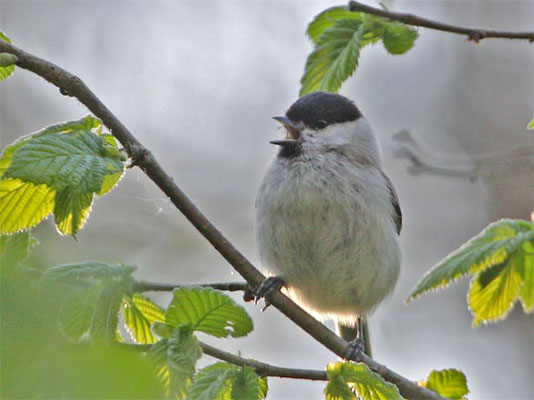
(144, 286)
(71, 85)
(261, 368)
(475, 34)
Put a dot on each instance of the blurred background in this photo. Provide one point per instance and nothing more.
(198, 81)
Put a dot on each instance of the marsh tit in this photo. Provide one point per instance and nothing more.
(327, 217)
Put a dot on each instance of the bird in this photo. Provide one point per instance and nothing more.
(328, 218)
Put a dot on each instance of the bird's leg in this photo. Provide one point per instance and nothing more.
(357, 346)
(267, 286)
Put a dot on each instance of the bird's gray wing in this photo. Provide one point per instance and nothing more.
(397, 216)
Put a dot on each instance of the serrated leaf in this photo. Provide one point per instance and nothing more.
(367, 384)
(531, 125)
(7, 70)
(139, 314)
(212, 382)
(209, 311)
(493, 246)
(493, 291)
(398, 38)
(526, 292)
(69, 159)
(89, 272)
(71, 210)
(64, 161)
(334, 58)
(247, 385)
(327, 19)
(23, 204)
(106, 312)
(76, 314)
(14, 250)
(449, 383)
(88, 122)
(176, 359)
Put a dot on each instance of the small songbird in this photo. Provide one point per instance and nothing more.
(327, 217)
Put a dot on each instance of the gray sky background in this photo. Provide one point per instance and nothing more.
(198, 82)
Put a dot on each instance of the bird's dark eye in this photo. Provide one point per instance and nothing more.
(320, 124)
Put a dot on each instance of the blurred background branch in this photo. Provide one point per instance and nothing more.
(423, 161)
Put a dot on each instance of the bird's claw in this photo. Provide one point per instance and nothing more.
(266, 287)
(355, 350)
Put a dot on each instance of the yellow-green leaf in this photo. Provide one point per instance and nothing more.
(493, 292)
(449, 383)
(526, 292)
(344, 376)
(493, 246)
(139, 314)
(23, 204)
(8, 69)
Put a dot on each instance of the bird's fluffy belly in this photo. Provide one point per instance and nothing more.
(332, 245)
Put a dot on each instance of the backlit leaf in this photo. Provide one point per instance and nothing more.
(6, 70)
(493, 246)
(344, 376)
(175, 360)
(327, 19)
(208, 311)
(398, 38)
(449, 383)
(23, 204)
(14, 250)
(139, 314)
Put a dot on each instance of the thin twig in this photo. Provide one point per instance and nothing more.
(71, 85)
(261, 368)
(144, 286)
(475, 34)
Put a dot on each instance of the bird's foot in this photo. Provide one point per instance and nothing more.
(266, 287)
(355, 350)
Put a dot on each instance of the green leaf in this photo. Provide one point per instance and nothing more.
(208, 311)
(247, 385)
(6, 70)
(139, 315)
(493, 246)
(334, 58)
(94, 293)
(493, 292)
(76, 314)
(23, 204)
(64, 161)
(531, 125)
(398, 38)
(526, 293)
(327, 19)
(176, 359)
(347, 376)
(88, 273)
(106, 312)
(449, 383)
(213, 382)
(14, 250)
(71, 210)
(72, 161)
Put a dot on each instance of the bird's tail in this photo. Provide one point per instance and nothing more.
(351, 332)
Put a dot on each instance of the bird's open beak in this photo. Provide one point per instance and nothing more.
(292, 135)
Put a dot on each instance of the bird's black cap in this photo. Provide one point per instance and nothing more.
(320, 109)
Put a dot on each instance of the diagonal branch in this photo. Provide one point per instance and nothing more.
(475, 34)
(71, 85)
